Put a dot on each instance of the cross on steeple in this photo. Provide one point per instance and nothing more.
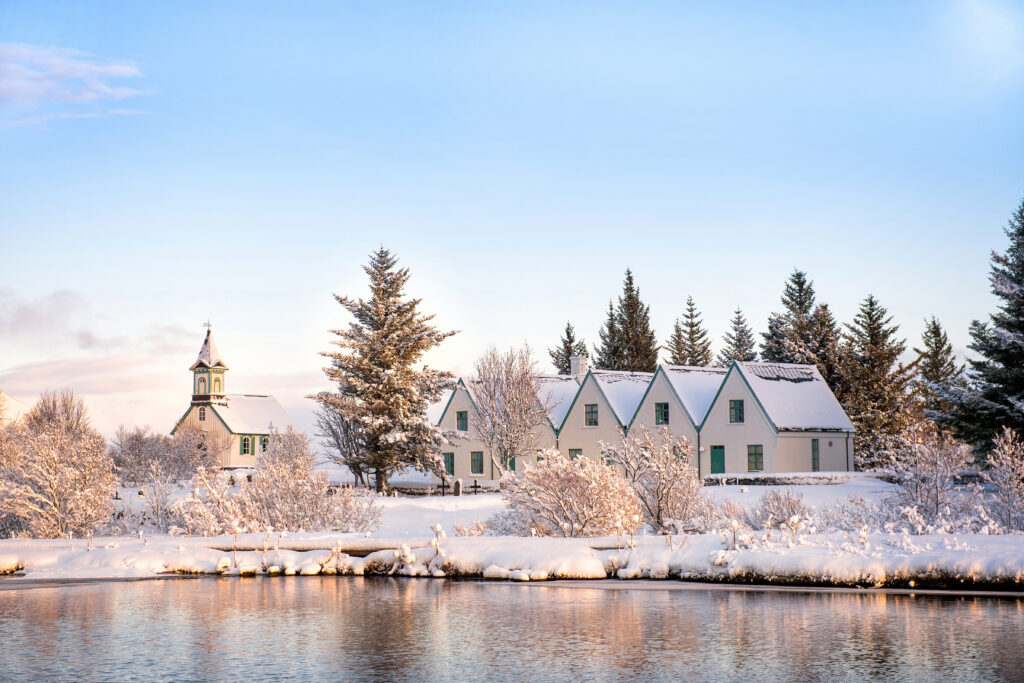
(207, 324)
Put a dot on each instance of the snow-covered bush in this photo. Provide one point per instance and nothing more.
(660, 473)
(776, 507)
(929, 483)
(286, 493)
(1006, 472)
(560, 496)
(56, 477)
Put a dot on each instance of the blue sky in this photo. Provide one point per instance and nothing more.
(162, 164)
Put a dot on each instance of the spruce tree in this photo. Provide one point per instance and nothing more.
(568, 346)
(937, 369)
(379, 386)
(609, 355)
(994, 391)
(826, 339)
(689, 343)
(739, 342)
(773, 343)
(790, 337)
(876, 388)
(627, 340)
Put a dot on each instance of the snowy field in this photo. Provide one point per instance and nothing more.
(403, 546)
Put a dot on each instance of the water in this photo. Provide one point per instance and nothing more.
(348, 628)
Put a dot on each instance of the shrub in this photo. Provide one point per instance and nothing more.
(1006, 473)
(929, 484)
(775, 507)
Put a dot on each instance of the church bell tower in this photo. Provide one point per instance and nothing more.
(208, 382)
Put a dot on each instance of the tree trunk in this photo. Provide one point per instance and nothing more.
(380, 481)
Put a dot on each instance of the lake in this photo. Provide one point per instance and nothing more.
(350, 628)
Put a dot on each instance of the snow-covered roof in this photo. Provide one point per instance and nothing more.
(559, 391)
(695, 386)
(11, 408)
(624, 390)
(252, 414)
(209, 355)
(796, 397)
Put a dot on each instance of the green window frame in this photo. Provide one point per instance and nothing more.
(755, 458)
(462, 421)
(264, 443)
(202, 413)
(736, 411)
(449, 462)
(815, 456)
(590, 415)
(512, 464)
(575, 453)
(476, 462)
(245, 446)
(661, 413)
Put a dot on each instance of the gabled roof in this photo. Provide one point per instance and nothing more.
(11, 408)
(209, 355)
(252, 414)
(623, 390)
(694, 388)
(794, 398)
(559, 391)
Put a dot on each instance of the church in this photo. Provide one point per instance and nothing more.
(239, 425)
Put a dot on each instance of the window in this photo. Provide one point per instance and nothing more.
(246, 446)
(449, 462)
(216, 385)
(755, 458)
(815, 456)
(462, 421)
(736, 411)
(575, 453)
(661, 413)
(202, 413)
(512, 464)
(590, 415)
(476, 462)
(264, 443)
(202, 385)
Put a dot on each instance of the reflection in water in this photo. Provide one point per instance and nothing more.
(334, 628)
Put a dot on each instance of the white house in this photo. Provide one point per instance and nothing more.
(239, 425)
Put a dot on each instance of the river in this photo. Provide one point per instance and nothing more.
(351, 628)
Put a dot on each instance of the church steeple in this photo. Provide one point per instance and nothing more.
(208, 372)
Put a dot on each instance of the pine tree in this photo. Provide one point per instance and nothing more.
(789, 338)
(937, 370)
(689, 343)
(568, 346)
(627, 340)
(826, 339)
(379, 385)
(877, 385)
(739, 342)
(993, 395)
(773, 348)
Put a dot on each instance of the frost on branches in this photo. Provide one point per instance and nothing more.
(563, 497)
(1006, 472)
(509, 411)
(380, 389)
(286, 493)
(929, 484)
(56, 477)
(660, 472)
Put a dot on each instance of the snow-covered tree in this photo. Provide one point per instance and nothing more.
(877, 386)
(59, 478)
(660, 473)
(560, 496)
(826, 348)
(993, 397)
(340, 435)
(937, 369)
(508, 408)
(790, 338)
(689, 343)
(627, 340)
(739, 342)
(379, 385)
(568, 346)
(929, 482)
(1006, 473)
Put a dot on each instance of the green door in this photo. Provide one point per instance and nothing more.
(717, 459)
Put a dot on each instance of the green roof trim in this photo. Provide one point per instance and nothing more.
(736, 366)
(679, 400)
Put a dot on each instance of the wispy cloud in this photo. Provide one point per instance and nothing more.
(53, 83)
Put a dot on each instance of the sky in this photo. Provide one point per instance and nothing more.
(167, 164)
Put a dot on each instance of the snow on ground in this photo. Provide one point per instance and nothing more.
(409, 517)
(815, 496)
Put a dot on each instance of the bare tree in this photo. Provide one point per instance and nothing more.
(506, 394)
(344, 446)
(661, 474)
(930, 485)
(1006, 472)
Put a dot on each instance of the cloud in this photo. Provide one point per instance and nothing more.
(991, 32)
(62, 83)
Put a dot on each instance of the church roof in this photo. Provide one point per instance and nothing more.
(209, 355)
(11, 408)
(252, 414)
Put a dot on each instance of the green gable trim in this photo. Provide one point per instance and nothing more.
(587, 378)
(736, 366)
(674, 393)
(451, 398)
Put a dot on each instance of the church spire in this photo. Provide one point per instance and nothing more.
(208, 381)
(209, 355)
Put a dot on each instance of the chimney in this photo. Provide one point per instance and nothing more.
(577, 366)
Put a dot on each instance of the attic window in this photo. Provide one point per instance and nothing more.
(462, 421)
(661, 413)
(590, 415)
(202, 413)
(736, 411)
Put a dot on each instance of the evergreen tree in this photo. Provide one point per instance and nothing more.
(993, 395)
(568, 346)
(689, 343)
(773, 344)
(627, 340)
(739, 342)
(790, 337)
(877, 383)
(937, 370)
(826, 339)
(609, 355)
(380, 388)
